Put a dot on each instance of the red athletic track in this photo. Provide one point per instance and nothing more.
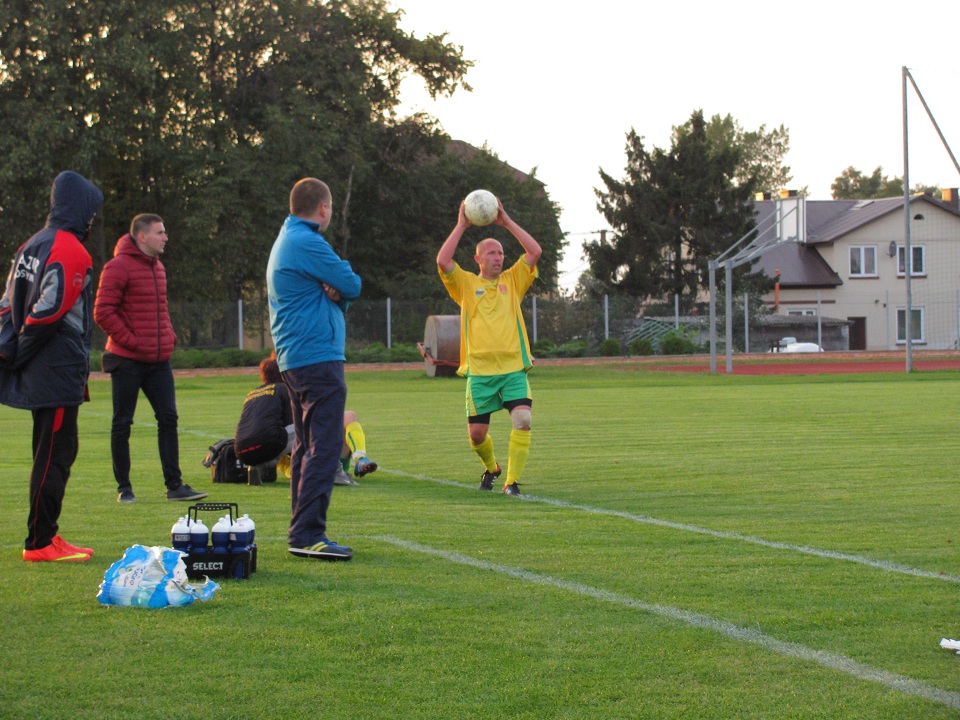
(754, 364)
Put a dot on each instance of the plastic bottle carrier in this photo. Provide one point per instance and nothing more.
(237, 558)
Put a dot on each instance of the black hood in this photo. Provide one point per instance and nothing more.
(74, 201)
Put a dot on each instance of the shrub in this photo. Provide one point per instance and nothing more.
(610, 348)
(570, 349)
(641, 346)
(543, 347)
(677, 343)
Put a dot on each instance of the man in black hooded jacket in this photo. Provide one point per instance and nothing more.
(45, 331)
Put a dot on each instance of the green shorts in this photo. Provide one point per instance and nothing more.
(488, 393)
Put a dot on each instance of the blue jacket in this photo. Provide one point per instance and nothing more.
(307, 326)
(46, 309)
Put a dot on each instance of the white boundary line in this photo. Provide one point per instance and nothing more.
(831, 661)
(886, 565)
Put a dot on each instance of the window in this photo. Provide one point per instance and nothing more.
(804, 311)
(863, 261)
(916, 325)
(919, 260)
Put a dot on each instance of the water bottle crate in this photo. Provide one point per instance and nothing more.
(235, 565)
(232, 552)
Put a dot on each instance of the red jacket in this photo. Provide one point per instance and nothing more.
(131, 305)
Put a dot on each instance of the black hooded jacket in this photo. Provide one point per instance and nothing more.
(46, 311)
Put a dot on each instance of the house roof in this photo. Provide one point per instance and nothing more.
(799, 266)
(829, 220)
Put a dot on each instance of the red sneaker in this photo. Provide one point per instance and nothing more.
(62, 544)
(52, 553)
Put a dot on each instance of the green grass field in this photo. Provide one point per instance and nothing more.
(688, 547)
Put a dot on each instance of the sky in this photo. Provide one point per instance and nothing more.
(556, 88)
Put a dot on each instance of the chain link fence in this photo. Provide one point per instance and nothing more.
(562, 322)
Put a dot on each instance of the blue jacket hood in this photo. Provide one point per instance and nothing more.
(74, 201)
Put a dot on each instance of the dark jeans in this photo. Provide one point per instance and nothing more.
(156, 380)
(318, 394)
(54, 450)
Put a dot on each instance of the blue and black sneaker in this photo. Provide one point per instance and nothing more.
(326, 549)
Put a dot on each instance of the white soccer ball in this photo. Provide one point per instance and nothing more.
(481, 207)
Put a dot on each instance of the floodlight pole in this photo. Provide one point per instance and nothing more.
(907, 321)
(728, 307)
(712, 266)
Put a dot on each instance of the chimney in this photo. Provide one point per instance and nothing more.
(951, 198)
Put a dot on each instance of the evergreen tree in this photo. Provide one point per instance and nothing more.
(673, 211)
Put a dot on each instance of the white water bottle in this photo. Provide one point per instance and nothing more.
(180, 535)
(251, 528)
(199, 536)
(239, 536)
(220, 535)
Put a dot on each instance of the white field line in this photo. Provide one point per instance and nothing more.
(831, 661)
(887, 565)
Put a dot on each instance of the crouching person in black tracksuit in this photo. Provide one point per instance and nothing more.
(265, 431)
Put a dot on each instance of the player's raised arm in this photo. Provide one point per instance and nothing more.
(449, 247)
(532, 248)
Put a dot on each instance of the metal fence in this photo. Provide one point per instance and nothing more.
(391, 322)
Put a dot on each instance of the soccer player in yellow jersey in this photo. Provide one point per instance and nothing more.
(494, 349)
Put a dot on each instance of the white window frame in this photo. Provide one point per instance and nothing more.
(801, 312)
(863, 251)
(914, 272)
(918, 328)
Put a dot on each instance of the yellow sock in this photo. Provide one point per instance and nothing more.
(517, 454)
(355, 439)
(485, 452)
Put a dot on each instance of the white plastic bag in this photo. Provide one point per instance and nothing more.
(151, 577)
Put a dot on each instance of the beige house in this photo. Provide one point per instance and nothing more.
(851, 265)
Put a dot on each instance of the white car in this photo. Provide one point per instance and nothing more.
(801, 347)
(790, 345)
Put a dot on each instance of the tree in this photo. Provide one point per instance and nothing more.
(674, 210)
(854, 185)
(203, 112)
(408, 205)
(762, 152)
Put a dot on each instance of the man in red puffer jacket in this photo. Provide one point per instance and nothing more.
(131, 307)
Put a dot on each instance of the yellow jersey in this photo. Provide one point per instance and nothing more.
(493, 336)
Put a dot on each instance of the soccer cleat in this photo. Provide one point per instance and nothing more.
(324, 550)
(486, 480)
(54, 553)
(126, 495)
(185, 492)
(63, 545)
(342, 478)
(511, 489)
(364, 465)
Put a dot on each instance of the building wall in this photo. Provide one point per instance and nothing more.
(877, 298)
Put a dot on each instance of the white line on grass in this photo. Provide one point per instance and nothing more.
(831, 661)
(180, 430)
(887, 565)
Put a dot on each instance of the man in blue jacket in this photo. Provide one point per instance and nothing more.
(310, 288)
(45, 331)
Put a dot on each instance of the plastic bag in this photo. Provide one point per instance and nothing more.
(151, 577)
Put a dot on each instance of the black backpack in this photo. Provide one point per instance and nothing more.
(223, 463)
